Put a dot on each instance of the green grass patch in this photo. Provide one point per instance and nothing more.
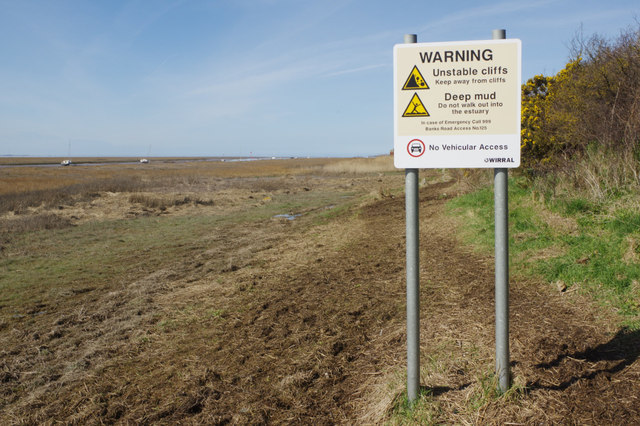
(527, 230)
(601, 252)
(577, 206)
(476, 211)
(48, 265)
(423, 411)
(54, 262)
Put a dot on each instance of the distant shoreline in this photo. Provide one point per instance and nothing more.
(10, 161)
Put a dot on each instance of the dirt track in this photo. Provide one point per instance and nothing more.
(304, 324)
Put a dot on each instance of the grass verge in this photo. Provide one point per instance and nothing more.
(573, 242)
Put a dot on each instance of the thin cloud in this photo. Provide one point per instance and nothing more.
(354, 70)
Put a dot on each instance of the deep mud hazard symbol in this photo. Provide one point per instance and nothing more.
(415, 108)
(415, 81)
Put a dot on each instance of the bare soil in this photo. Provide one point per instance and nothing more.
(302, 322)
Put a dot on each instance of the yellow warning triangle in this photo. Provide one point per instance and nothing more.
(415, 108)
(415, 81)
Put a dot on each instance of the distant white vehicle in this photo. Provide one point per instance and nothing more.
(145, 160)
(67, 162)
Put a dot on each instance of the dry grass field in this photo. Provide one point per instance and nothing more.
(272, 292)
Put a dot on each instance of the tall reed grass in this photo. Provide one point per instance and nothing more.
(19, 202)
(598, 174)
(379, 164)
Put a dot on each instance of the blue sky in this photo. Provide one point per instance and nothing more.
(243, 77)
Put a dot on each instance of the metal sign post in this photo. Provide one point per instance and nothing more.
(501, 205)
(413, 275)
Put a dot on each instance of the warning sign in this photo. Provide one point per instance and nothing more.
(415, 108)
(415, 81)
(470, 115)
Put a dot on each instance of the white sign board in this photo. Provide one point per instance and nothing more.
(457, 104)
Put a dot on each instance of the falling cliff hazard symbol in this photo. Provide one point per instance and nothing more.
(415, 108)
(415, 81)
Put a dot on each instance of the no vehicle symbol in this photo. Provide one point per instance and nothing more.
(415, 148)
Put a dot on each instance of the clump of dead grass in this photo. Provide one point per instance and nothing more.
(598, 174)
(9, 227)
(34, 222)
(164, 202)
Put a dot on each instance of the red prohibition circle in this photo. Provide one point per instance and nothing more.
(415, 148)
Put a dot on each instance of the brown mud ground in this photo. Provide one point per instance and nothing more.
(302, 322)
